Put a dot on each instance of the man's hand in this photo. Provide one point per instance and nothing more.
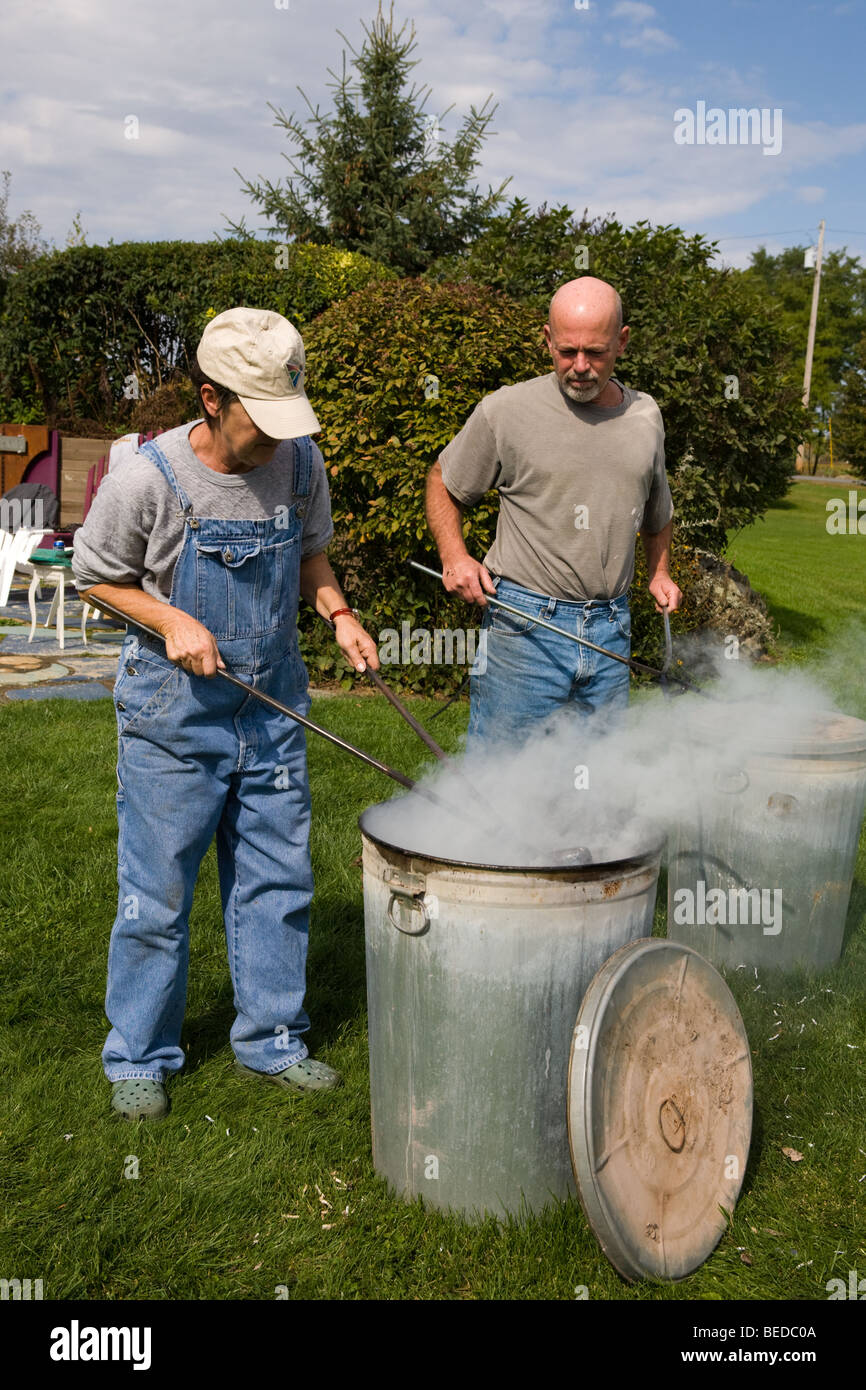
(355, 643)
(665, 593)
(469, 579)
(190, 645)
(460, 573)
(657, 546)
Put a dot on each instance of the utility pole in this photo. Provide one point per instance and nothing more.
(810, 343)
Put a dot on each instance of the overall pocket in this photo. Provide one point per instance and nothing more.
(242, 586)
(144, 687)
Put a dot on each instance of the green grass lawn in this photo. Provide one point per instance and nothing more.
(227, 1203)
(814, 581)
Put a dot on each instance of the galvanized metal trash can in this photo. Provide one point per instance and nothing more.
(762, 875)
(475, 975)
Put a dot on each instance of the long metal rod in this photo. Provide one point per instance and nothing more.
(419, 729)
(581, 641)
(669, 655)
(481, 802)
(277, 705)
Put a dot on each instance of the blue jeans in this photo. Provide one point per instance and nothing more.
(198, 758)
(531, 673)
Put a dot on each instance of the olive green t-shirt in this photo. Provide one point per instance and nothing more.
(576, 485)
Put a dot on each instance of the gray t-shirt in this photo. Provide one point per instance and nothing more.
(133, 533)
(576, 484)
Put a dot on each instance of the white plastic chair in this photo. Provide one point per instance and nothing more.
(5, 547)
(60, 576)
(17, 549)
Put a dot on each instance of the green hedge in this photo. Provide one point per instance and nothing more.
(77, 324)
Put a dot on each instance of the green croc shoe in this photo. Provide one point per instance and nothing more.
(308, 1075)
(139, 1098)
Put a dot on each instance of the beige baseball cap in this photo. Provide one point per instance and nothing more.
(260, 356)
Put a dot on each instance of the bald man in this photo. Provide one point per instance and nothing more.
(578, 461)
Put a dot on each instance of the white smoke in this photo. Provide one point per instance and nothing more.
(582, 783)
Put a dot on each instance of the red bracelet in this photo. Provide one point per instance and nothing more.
(340, 613)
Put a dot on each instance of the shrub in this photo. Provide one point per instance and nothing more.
(369, 357)
(92, 332)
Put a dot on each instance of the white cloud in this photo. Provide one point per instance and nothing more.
(649, 38)
(511, 10)
(729, 86)
(811, 193)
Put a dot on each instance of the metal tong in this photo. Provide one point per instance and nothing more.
(437, 751)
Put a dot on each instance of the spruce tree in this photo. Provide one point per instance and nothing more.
(376, 174)
(20, 239)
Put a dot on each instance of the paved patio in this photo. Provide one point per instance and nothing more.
(39, 670)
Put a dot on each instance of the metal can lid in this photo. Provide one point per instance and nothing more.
(659, 1108)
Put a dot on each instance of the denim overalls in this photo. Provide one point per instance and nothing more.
(197, 758)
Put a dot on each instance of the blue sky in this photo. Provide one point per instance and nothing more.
(586, 102)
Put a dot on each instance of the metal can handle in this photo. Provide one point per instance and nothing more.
(417, 903)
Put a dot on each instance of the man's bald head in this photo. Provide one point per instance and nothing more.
(585, 335)
(589, 299)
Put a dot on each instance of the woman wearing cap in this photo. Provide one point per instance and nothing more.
(210, 536)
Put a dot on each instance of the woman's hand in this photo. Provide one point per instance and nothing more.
(190, 644)
(355, 643)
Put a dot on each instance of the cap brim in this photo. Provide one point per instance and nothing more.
(286, 419)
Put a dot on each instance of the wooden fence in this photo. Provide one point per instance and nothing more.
(62, 462)
(77, 457)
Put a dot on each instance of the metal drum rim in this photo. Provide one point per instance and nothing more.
(798, 748)
(653, 850)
